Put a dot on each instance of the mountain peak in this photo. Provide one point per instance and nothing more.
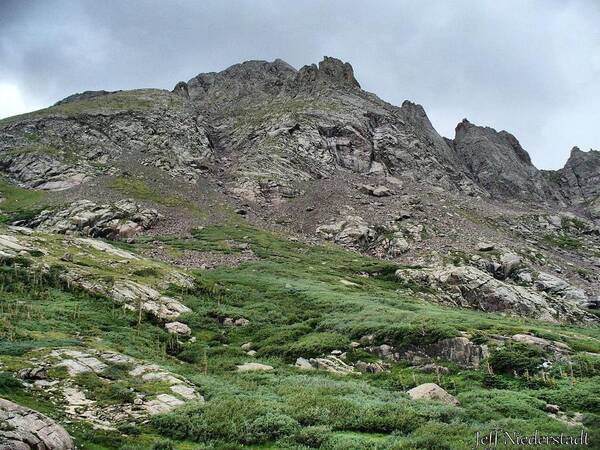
(338, 70)
(329, 71)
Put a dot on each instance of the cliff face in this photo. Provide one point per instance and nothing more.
(579, 180)
(499, 164)
(277, 125)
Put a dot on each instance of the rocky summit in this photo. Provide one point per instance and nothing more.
(273, 257)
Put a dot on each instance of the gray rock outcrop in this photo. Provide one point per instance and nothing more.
(472, 288)
(498, 163)
(24, 429)
(87, 134)
(579, 180)
(122, 219)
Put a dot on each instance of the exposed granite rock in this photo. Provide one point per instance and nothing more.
(275, 125)
(11, 246)
(499, 164)
(459, 350)
(286, 126)
(558, 348)
(472, 288)
(173, 390)
(24, 429)
(431, 391)
(351, 231)
(87, 135)
(134, 295)
(40, 171)
(253, 367)
(559, 288)
(122, 219)
(579, 180)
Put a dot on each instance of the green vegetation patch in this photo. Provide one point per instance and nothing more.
(563, 241)
(19, 203)
(296, 306)
(139, 189)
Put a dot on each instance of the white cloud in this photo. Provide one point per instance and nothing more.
(12, 101)
(530, 68)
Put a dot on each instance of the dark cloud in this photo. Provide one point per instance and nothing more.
(530, 67)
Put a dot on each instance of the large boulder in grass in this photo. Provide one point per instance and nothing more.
(431, 391)
(178, 328)
(25, 429)
(253, 367)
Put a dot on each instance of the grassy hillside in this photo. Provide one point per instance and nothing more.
(301, 301)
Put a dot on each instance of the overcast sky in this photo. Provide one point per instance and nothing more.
(529, 67)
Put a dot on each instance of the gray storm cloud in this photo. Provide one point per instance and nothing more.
(529, 67)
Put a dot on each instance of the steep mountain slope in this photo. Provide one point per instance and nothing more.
(268, 257)
(85, 136)
(579, 180)
(499, 164)
(279, 126)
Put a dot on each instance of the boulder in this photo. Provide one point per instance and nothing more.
(398, 244)
(371, 367)
(560, 288)
(178, 328)
(431, 391)
(330, 363)
(508, 263)
(558, 348)
(253, 367)
(432, 368)
(303, 363)
(25, 429)
(376, 191)
(485, 246)
(352, 231)
(241, 322)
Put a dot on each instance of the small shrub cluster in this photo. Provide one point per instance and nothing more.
(516, 357)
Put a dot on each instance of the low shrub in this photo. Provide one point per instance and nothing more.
(517, 358)
(8, 382)
(582, 395)
(163, 444)
(316, 344)
(271, 426)
(193, 353)
(312, 437)
(488, 405)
